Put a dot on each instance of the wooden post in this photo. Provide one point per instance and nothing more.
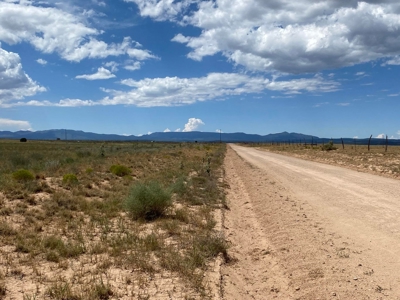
(355, 145)
(369, 141)
(342, 143)
(386, 143)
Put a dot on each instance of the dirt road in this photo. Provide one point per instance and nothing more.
(304, 230)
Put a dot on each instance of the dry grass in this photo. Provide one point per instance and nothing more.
(376, 161)
(67, 234)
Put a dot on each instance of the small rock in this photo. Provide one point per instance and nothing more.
(298, 289)
(333, 294)
(355, 278)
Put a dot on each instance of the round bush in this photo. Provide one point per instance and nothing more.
(120, 170)
(70, 179)
(328, 147)
(23, 175)
(69, 160)
(148, 201)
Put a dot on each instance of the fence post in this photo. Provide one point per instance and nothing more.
(369, 141)
(342, 143)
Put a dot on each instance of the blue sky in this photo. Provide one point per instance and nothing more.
(327, 68)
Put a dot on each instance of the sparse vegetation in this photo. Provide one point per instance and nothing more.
(74, 218)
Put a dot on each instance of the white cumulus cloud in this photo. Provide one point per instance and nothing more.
(41, 61)
(53, 30)
(133, 66)
(381, 136)
(286, 36)
(167, 130)
(15, 84)
(193, 124)
(11, 125)
(161, 9)
(101, 73)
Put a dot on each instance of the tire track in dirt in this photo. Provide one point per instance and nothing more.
(300, 253)
(253, 272)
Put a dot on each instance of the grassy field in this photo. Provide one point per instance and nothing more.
(93, 220)
(357, 157)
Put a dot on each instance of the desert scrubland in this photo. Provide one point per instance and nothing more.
(91, 220)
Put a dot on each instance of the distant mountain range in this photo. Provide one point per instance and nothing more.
(193, 136)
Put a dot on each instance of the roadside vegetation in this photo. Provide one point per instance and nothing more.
(92, 220)
(377, 160)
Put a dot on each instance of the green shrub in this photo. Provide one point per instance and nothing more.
(328, 147)
(120, 170)
(89, 171)
(148, 201)
(70, 179)
(23, 175)
(69, 160)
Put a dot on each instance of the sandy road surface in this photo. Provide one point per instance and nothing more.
(304, 230)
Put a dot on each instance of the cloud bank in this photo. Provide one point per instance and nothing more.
(175, 91)
(286, 36)
(12, 125)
